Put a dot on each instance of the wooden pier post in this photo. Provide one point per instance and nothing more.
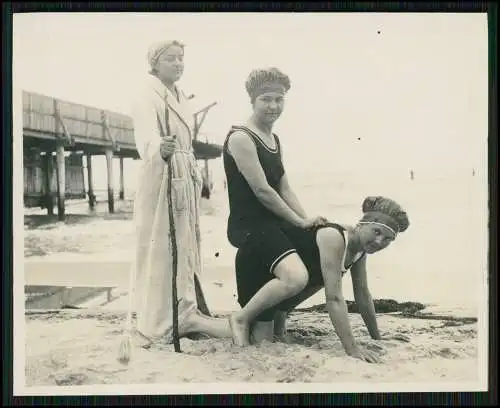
(109, 165)
(207, 172)
(206, 181)
(49, 202)
(61, 180)
(91, 182)
(122, 181)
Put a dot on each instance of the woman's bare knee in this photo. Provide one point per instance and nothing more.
(292, 272)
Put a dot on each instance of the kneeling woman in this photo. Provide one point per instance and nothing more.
(328, 252)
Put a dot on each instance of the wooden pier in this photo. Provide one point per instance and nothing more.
(57, 135)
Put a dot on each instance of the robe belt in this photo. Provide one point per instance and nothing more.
(192, 162)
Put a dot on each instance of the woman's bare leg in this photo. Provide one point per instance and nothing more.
(281, 315)
(291, 277)
(207, 325)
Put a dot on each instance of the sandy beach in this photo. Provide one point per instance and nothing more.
(71, 348)
(79, 347)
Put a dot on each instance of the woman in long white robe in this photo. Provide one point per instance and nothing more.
(162, 111)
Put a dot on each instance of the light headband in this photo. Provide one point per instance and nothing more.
(267, 87)
(381, 224)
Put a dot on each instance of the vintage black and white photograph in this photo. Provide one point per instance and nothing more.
(250, 202)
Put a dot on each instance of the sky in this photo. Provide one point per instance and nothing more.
(369, 90)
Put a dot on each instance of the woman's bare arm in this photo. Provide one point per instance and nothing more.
(244, 152)
(290, 197)
(331, 248)
(363, 297)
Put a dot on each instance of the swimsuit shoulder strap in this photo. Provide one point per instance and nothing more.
(346, 240)
(343, 231)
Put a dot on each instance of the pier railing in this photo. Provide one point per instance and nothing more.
(48, 117)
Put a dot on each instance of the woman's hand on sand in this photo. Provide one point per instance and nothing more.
(167, 147)
(364, 355)
(312, 222)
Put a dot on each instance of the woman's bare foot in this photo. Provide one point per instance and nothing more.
(240, 330)
(188, 325)
(191, 327)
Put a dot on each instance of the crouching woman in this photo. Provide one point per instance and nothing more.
(328, 252)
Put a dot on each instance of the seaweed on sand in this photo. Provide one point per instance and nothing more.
(381, 306)
(409, 310)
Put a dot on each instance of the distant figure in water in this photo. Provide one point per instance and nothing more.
(327, 253)
(473, 172)
(412, 175)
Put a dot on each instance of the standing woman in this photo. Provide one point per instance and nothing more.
(163, 126)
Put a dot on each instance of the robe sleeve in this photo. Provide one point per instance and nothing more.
(146, 132)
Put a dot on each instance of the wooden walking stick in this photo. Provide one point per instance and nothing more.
(173, 243)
